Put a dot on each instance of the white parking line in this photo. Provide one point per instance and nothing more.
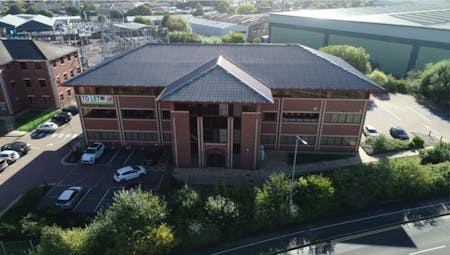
(101, 200)
(79, 202)
(416, 112)
(113, 157)
(427, 250)
(432, 130)
(68, 135)
(60, 135)
(53, 135)
(128, 158)
(74, 136)
(388, 111)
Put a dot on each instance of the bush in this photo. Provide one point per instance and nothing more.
(382, 144)
(221, 211)
(379, 77)
(200, 233)
(184, 37)
(234, 38)
(434, 82)
(355, 56)
(55, 240)
(439, 153)
(313, 195)
(417, 142)
(185, 202)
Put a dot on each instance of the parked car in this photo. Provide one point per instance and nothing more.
(92, 153)
(71, 108)
(47, 127)
(399, 133)
(128, 173)
(21, 147)
(69, 197)
(370, 131)
(3, 164)
(62, 118)
(10, 156)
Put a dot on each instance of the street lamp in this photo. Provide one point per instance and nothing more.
(297, 139)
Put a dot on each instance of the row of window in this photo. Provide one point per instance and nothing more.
(129, 136)
(32, 99)
(119, 91)
(314, 117)
(62, 59)
(27, 83)
(126, 114)
(318, 94)
(66, 77)
(311, 140)
(24, 65)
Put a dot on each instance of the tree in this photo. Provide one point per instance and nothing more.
(116, 14)
(434, 82)
(177, 24)
(143, 20)
(185, 202)
(164, 20)
(234, 37)
(355, 56)
(221, 211)
(73, 10)
(55, 240)
(101, 18)
(313, 195)
(32, 10)
(223, 7)
(184, 37)
(46, 13)
(15, 9)
(198, 10)
(141, 10)
(379, 77)
(245, 9)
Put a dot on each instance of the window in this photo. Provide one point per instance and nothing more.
(347, 94)
(37, 65)
(268, 139)
(8, 66)
(69, 92)
(78, 69)
(27, 83)
(30, 99)
(300, 117)
(298, 93)
(75, 55)
(58, 80)
(285, 139)
(354, 118)
(45, 99)
(61, 97)
(338, 141)
(167, 137)
(23, 65)
(13, 84)
(270, 116)
(138, 114)
(71, 73)
(54, 63)
(141, 136)
(165, 115)
(102, 135)
(62, 60)
(65, 76)
(3, 107)
(215, 129)
(99, 113)
(68, 57)
(42, 83)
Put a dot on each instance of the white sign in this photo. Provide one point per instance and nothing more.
(94, 99)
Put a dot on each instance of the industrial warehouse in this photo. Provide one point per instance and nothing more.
(219, 105)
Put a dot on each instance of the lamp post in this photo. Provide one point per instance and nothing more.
(297, 139)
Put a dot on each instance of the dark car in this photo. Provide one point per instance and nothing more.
(69, 197)
(21, 147)
(399, 133)
(71, 108)
(62, 117)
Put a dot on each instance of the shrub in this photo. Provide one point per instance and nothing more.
(417, 142)
(234, 37)
(439, 153)
(184, 37)
(313, 195)
(355, 56)
(379, 77)
(434, 82)
(200, 233)
(221, 211)
(55, 240)
(185, 202)
(382, 144)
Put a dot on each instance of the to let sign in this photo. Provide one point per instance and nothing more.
(94, 99)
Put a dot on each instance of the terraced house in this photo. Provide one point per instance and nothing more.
(217, 105)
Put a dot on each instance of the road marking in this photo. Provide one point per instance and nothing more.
(74, 136)
(113, 157)
(53, 135)
(427, 250)
(79, 202)
(327, 226)
(101, 200)
(68, 135)
(420, 115)
(60, 135)
(50, 144)
(128, 158)
(160, 180)
(387, 110)
(432, 130)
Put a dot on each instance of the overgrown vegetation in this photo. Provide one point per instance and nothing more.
(382, 144)
(30, 120)
(355, 56)
(314, 158)
(439, 153)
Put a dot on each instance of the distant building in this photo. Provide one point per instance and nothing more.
(34, 23)
(30, 72)
(215, 28)
(398, 37)
(258, 24)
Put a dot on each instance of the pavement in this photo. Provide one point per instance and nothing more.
(328, 236)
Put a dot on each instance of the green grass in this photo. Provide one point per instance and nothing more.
(383, 144)
(30, 120)
(314, 158)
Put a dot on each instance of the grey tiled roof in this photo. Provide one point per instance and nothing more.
(276, 65)
(31, 50)
(218, 80)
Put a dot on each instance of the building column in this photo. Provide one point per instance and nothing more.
(250, 126)
(200, 142)
(181, 140)
(229, 162)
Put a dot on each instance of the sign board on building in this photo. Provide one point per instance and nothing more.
(94, 99)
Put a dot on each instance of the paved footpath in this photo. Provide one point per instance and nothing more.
(332, 228)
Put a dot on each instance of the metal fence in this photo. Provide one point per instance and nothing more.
(17, 247)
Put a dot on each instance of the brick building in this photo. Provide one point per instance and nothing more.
(215, 105)
(30, 72)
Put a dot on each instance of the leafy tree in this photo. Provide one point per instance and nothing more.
(73, 10)
(141, 10)
(32, 10)
(434, 82)
(178, 24)
(15, 9)
(198, 10)
(439, 153)
(184, 37)
(46, 13)
(221, 211)
(143, 20)
(223, 7)
(355, 56)
(257, 40)
(234, 38)
(314, 195)
(379, 77)
(116, 14)
(245, 9)
(164, 20)
(101, 18)
(55, 240)
(186, 202)
(417, 142)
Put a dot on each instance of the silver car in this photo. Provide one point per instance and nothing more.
(10, 156)
(69, 198)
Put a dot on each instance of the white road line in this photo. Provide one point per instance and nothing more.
(113, 157)
(101, 200)
(432, 130)
(327, 226)
(68, 135)
(74, 136)
(53, 135)
(60, 135)
(389, 111)
(420, 115)
(128, 158)
(79, 202)
(427, 250)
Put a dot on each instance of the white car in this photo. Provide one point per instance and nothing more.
(127, 173)
(92, 153)
(370, 131)
(47, 127)
(9, 156)
(69, 197)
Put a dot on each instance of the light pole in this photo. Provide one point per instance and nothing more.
(297, 139)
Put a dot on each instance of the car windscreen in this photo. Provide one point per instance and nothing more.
(401, 132)
(90, 151)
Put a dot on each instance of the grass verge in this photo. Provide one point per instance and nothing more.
(30, 120)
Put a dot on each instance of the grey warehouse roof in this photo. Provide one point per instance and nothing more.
(30, 50)
(219, 80)
(275, 65)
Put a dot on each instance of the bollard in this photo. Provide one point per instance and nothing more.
(429, 133)
(441, 138)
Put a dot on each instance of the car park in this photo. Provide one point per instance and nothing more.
(3, 165)
(92, 153)
(69, 197)
(47, 127)
(128, 173)
(370, 131)
(62, 118)
(399, 133)
(71, 108)
(21, 147)
(10, 156)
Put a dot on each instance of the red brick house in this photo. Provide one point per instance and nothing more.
(30, 72)
(215, 105)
